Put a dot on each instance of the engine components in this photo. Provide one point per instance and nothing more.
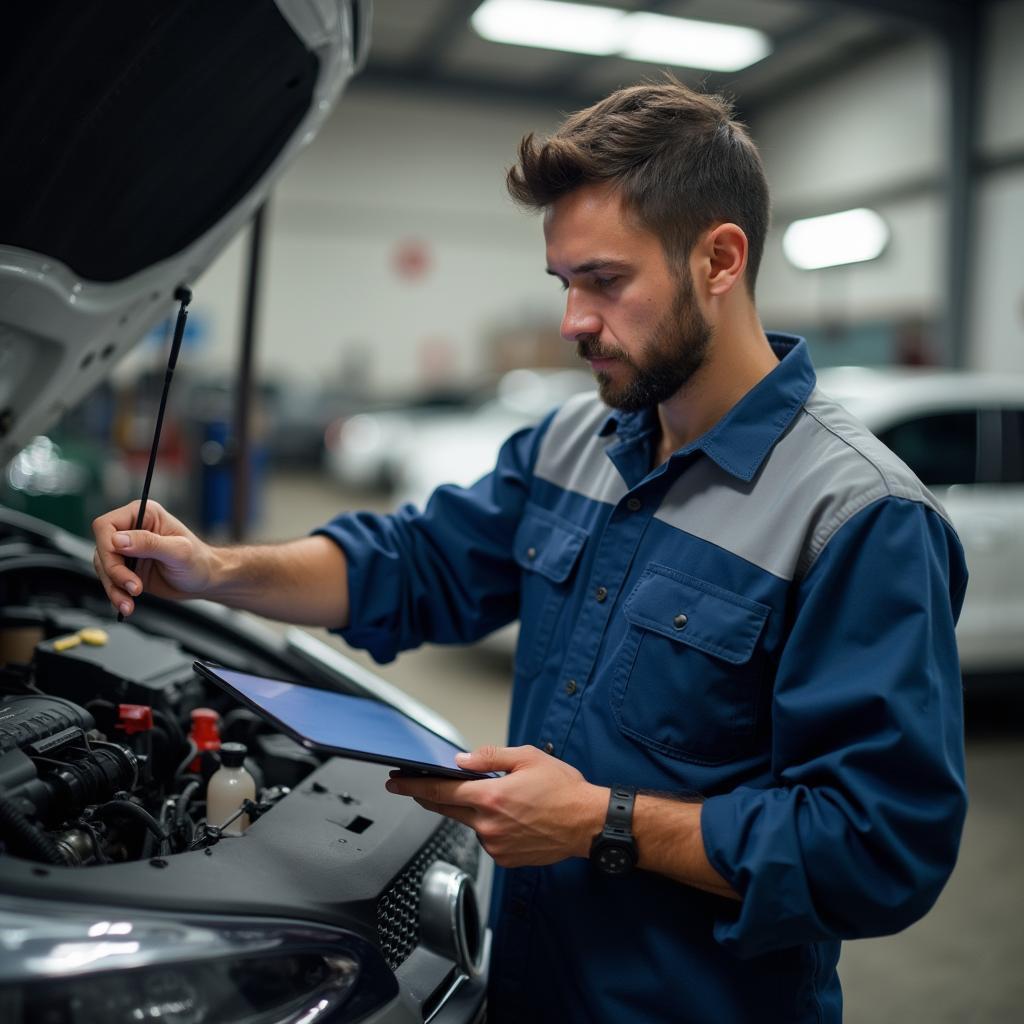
(48, 765)
(131, 667)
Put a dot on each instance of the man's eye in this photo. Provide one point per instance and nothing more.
(605, 282)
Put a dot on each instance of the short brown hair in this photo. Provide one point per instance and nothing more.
(680, 159)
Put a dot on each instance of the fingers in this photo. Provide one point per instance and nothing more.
(121, 583)
(109, 562)
(117, 592)
(123, 518)
(495, 759)
(116, 540)
(467, 815)
(450, 792)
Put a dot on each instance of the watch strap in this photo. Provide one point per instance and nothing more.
(613, 849)
(619, 819)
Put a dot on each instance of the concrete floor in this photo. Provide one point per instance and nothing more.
(962, 964)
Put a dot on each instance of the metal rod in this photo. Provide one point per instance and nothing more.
(963, 48)
(184, 296)
(241, 446)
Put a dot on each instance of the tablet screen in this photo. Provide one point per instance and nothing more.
(342, 722)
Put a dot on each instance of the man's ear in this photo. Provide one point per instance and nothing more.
(722, 255)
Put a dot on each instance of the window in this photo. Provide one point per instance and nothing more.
(941, 449)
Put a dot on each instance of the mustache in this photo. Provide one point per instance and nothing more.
(588, 346)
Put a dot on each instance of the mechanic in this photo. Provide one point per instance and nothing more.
(736, 725)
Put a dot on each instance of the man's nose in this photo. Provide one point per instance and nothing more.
(579, 317)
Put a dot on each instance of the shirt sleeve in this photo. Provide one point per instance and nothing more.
(445, 574)
(861, 828)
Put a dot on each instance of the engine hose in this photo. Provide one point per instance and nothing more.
(170, 724)
(149, 840)
(183, 801)
(189, 758)
(23, 838)
(135, 811)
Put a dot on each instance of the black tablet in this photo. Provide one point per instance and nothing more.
(339, 723)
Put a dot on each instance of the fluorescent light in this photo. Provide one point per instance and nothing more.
(852, 236)
(653, 38)
(659, 39)
(550, 25)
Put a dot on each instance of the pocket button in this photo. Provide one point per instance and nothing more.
(680, 620)
(601, 593)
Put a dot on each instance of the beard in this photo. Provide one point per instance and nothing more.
(674, 351)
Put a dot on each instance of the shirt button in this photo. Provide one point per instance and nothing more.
(570, 687)
(601, 593)
(549, 748)
(531, 552)
(680, 620)
(634, 504)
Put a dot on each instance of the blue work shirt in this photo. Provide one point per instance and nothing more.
(766, 620)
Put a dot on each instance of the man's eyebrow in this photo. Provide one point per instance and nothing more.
(589, 266)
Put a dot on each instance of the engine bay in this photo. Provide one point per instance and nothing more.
(108, 742)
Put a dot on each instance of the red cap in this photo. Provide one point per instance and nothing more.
(133, 718)
(206, 729)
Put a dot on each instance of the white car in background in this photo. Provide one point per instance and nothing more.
(461, 448)
(962, 433)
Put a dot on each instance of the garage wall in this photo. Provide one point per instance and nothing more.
(872, 136)
(394, 251)
(875, 136)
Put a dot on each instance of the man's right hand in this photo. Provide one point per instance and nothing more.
(303, 581)
(172, 561)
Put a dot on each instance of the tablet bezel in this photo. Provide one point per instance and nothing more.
(209, 672)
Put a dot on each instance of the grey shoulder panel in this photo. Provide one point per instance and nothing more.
(573, 457)
(825, 468)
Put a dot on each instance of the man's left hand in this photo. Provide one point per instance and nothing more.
(541, 811)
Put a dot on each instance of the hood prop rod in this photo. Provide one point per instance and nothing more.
(184, 296)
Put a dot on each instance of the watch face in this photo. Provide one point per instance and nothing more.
(615, 858)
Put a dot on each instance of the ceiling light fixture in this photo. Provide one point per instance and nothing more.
(852, 236)
(659, 39)
(603, 31)
(550, 25)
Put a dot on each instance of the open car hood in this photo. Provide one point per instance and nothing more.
(138, 137)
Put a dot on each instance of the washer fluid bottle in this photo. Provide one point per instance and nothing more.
(228, 787)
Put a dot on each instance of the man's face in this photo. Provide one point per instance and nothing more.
(632, 318)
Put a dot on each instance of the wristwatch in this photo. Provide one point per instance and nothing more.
(613, 850)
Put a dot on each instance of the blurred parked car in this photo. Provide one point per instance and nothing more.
(147, 135)
(364, 450)
(962, 433)
(299, 418)
(460, 449)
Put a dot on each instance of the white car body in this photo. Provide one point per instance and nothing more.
(459, 449)
(986, 507)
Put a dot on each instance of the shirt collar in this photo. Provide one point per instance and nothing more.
(740, 441)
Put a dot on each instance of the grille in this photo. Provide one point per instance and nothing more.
(398, 908)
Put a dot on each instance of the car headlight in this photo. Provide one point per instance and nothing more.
(121, 967)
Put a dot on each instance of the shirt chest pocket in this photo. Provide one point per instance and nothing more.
(547, 549)
(688, 673)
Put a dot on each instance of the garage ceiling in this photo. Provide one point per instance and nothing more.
(430, 44)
